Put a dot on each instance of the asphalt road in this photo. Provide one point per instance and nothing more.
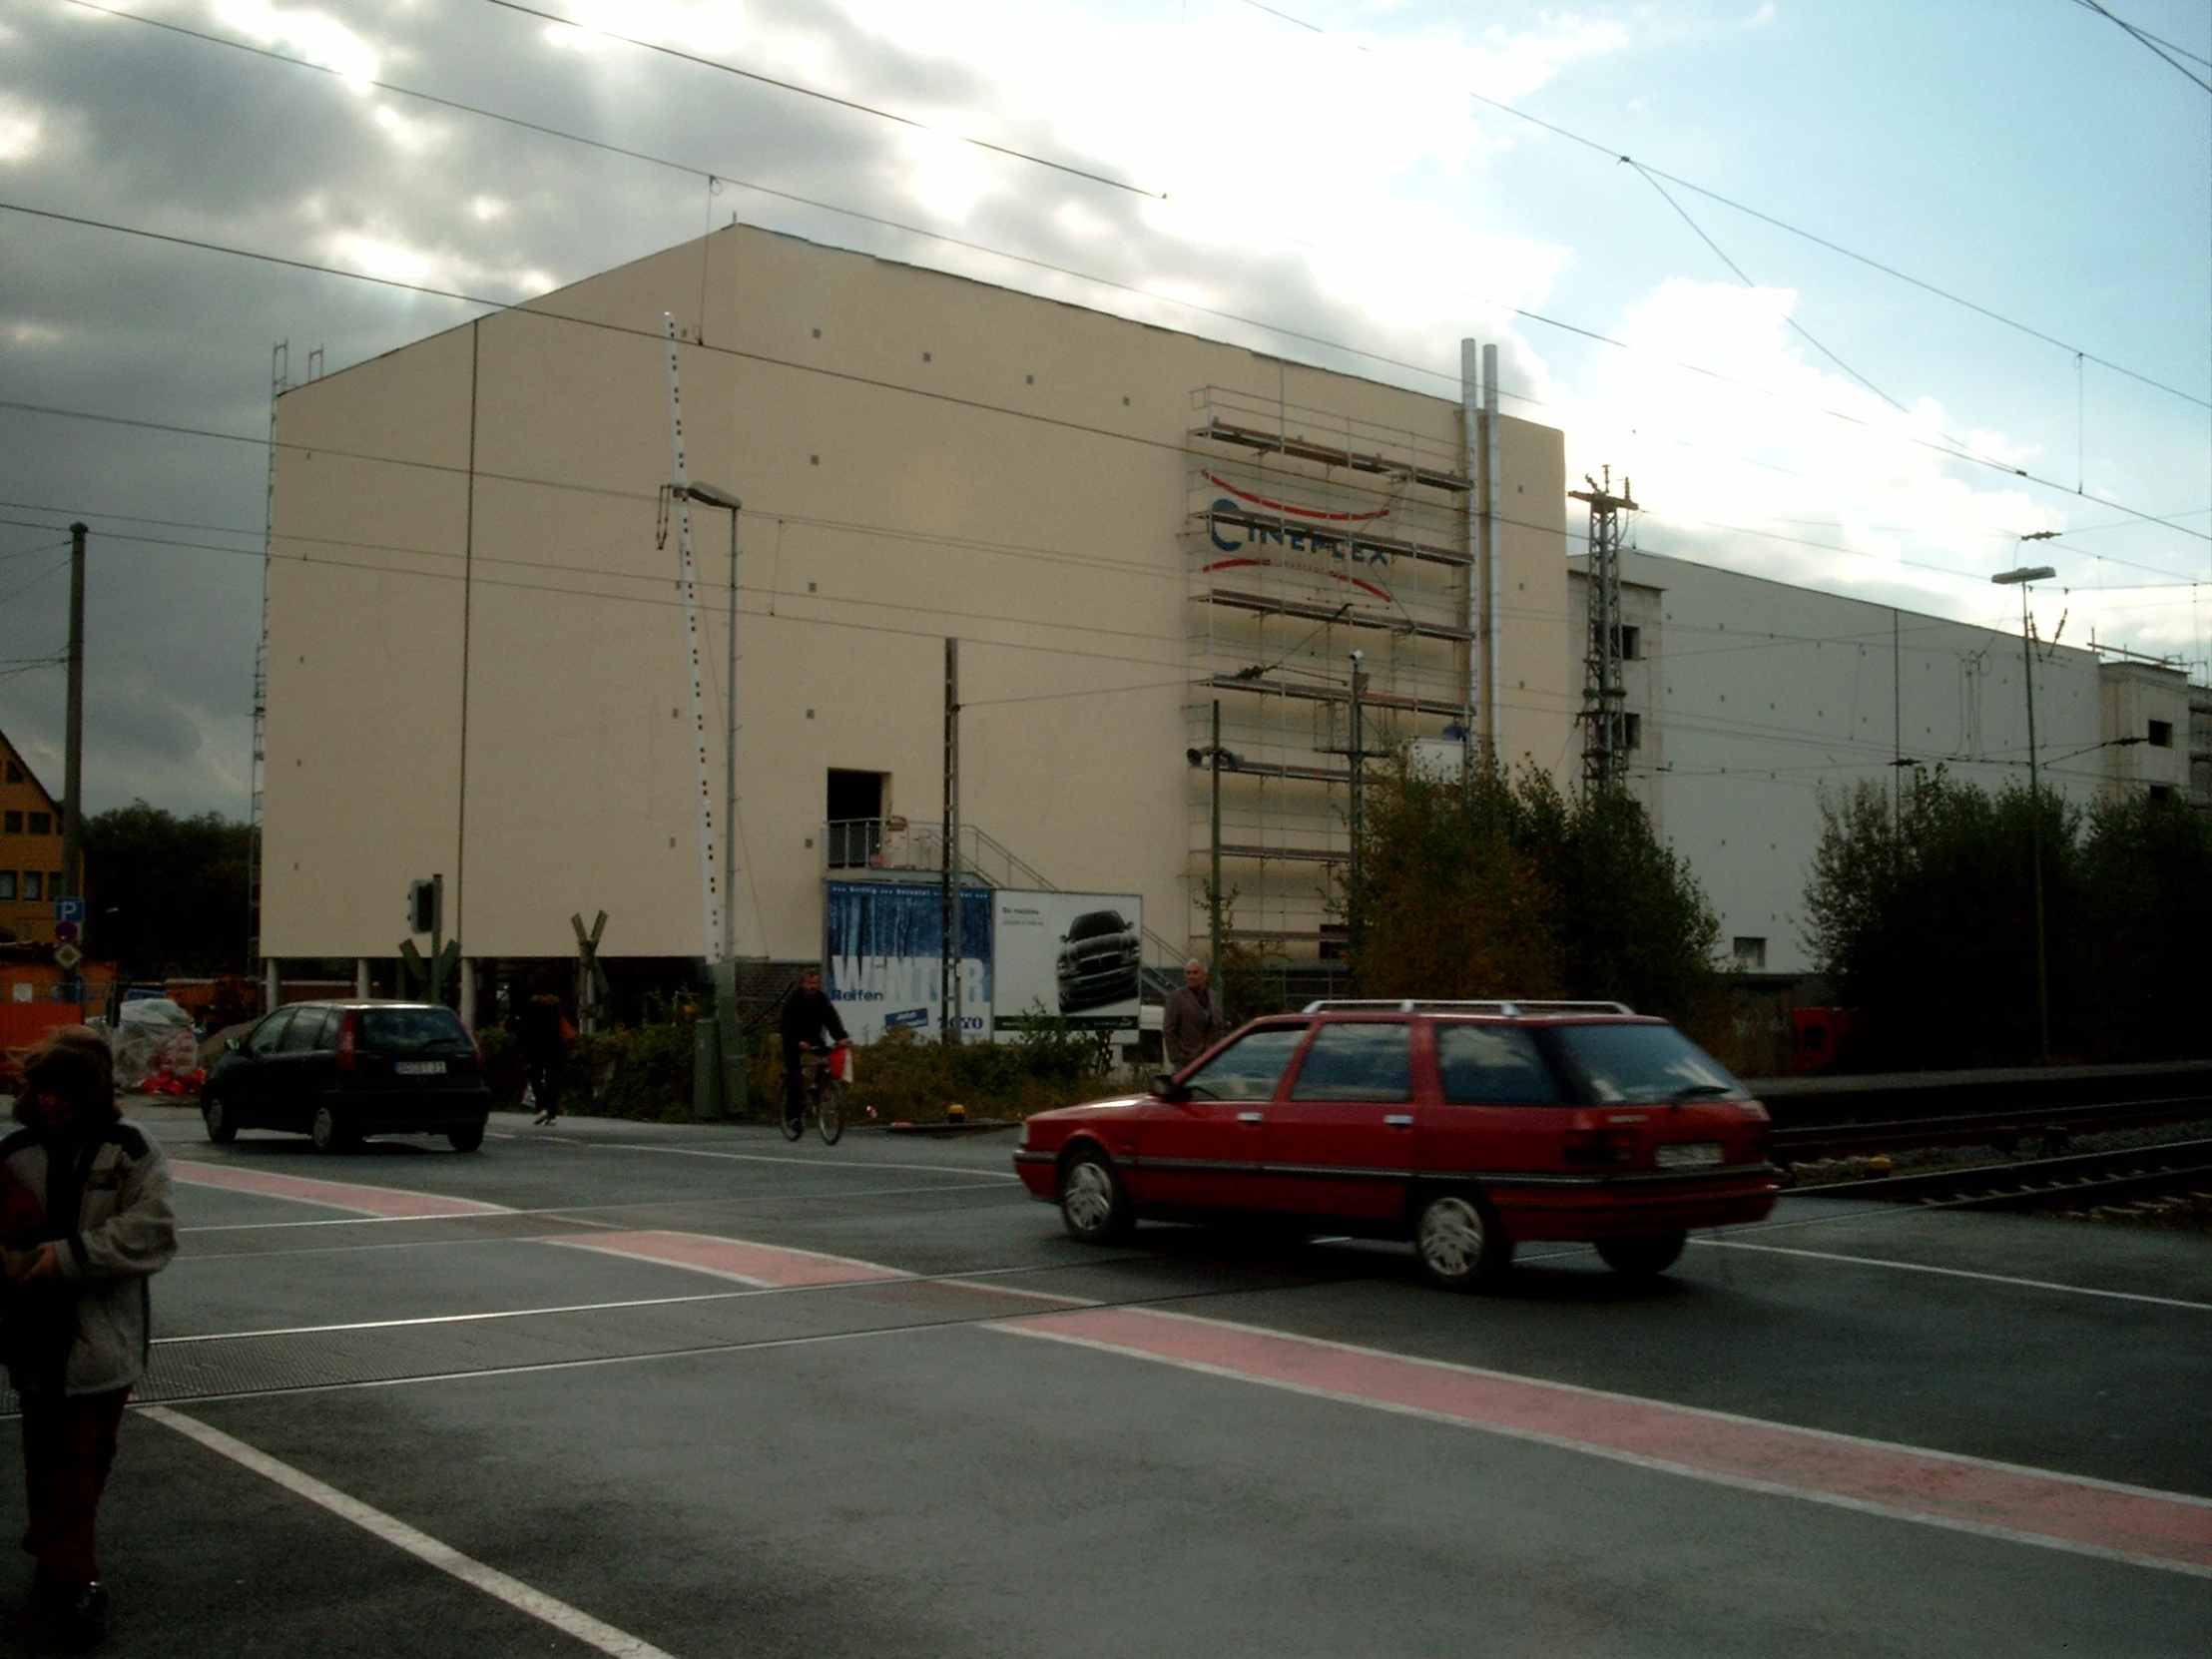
(704, 1393)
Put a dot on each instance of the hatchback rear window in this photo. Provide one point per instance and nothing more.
(412, 1028)
(1644, 1062)
(1357, 1060)
(1493, 1065)
(1250, 1068)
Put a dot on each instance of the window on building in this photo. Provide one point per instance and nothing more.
(1751, 955)
(2161, 791)
(2162, 734)
(53, 883)
(1632, 731)
(42, 824)
(7, 885)
(33, 885)
(1628, 644)
(15, 773)
(13, 823)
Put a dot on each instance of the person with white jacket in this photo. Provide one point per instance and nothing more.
(84, 1222)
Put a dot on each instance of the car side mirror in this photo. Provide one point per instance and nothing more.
(1167, 1089)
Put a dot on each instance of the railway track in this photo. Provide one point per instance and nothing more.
(2048, 1126)
(2074, 1182)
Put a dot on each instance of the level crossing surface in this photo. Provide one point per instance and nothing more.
(692, 1391)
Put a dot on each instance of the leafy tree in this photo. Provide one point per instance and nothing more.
(1923, 915)
(1506, 886)
(166, 894)
(2145, 915)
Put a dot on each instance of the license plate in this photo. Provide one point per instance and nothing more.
(1689, 1155)
(419, 1068)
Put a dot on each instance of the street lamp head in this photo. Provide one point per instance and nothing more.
(2027, 573)
(2040, 535)
(1198, 756)
(709, 496)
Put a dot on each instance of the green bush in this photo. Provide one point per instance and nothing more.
(899, 1078)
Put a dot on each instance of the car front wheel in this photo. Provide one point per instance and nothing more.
(465, 1140)
(327, 1133)
(1094, 1205)
(1458, 1242)
(222, 1129)
(1646, 1256)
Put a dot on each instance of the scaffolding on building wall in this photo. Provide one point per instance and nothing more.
(1604, 715)
(1308, 535)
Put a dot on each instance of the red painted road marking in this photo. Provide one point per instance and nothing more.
(393, 1202)
(766, 1265)
(2148, 1528)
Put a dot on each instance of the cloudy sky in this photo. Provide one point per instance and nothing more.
(1355, 183)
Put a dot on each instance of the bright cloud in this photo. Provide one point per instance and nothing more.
(313, 35)
(22, 130)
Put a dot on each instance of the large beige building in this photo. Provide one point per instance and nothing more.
(479, 655)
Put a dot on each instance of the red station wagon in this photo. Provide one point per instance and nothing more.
(1465, 1127)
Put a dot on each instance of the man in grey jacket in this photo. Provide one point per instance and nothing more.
(1190, 1024)
(84, 1222)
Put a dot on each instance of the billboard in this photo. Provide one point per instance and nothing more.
(881, 947)
(1069, 955)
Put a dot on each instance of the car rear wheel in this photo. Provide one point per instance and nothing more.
(1458, 1242)
(1094, 1205)
(465, 1140)
(222, 1129)
(1645, 1255)
(327, 1133)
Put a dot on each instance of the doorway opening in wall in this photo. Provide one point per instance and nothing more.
(854, 817)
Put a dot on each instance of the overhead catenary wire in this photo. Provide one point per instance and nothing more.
(1950, 446)
(1613, 153)
(832, 98)
(2164, 50)
(534, 309)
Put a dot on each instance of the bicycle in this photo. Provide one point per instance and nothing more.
(823, 1077)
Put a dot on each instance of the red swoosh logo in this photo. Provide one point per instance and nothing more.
(1299, 512)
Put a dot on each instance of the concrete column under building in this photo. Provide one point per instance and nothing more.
(468, 992)
(272, 984)
(360, 977)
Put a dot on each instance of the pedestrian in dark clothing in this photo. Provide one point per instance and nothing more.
(542, 1033)
(84, 1222)
(1191, 1023)
(808, 1019)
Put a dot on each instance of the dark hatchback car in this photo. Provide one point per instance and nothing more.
(1099, 962)
(339, 1070)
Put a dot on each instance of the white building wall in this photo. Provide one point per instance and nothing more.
(1764, 696)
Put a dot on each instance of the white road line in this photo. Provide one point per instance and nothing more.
(1956, 1272)
(970, 1280)
(559, 1614)
(579, 1213)
(857, 1164)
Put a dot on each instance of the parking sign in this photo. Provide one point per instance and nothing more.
(70, 910)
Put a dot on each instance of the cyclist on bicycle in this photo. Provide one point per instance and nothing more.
(807, 1020)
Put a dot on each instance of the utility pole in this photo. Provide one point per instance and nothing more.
(2020, 579)
(73, 752)
(1604, 748)
(1213, 763)
(948, 967)
(1356, 896)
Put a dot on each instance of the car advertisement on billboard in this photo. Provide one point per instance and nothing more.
(1074, 956)
(881, 955)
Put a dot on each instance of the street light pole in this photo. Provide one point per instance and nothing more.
(2020, 579)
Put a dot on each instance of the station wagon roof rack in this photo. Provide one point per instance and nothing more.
(1341, 1005)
